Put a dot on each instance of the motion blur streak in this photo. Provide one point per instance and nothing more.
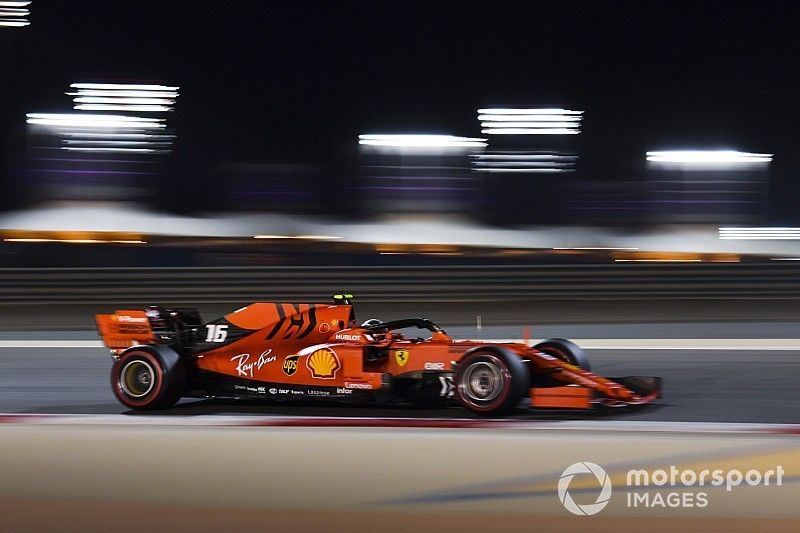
(421, 141)
(118, 86)
(545, 121)
(12, 14)
(742, 233)
(708, 156)
(78, 120)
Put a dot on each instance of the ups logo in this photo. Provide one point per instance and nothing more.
(290, 365)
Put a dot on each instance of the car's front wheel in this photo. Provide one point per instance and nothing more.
(567, 351)
(491, 382)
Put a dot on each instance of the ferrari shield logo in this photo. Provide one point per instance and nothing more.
(323, 363)
(401, 356)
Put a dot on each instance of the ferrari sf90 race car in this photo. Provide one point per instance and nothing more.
(284, 352)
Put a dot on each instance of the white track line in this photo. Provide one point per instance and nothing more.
(589, 344)
(385, 423)
(50, 344)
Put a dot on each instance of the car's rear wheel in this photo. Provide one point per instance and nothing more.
(491, 382)
(145, 379)
(567, 351)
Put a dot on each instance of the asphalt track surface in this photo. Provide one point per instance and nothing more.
(701, 384)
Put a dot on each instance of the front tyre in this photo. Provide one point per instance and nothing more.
(567, 351)
(146, 379)
(491, 382)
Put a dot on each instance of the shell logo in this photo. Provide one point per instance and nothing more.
(323, 363)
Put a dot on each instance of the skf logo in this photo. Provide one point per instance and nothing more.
(401, 356)
(323, 364)
(290, 365)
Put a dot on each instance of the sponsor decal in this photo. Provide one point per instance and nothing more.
(448, 387)
(290, 365)
(126, 318)
(334, 323)
(133, 329)
(324, 327)
(350, 385)
(401, 357)
(293, 392)
(259, 390)
(319, 393)
(348, 337)
(340, 390)
(433, 366)
(323, 363)
(245, 368)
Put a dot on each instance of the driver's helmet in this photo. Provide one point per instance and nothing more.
(371, 323)
(375, 331)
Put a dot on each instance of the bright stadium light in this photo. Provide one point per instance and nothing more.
(118, 135)
(106, 93)
(524, 162)
(531, 111)
(707, 157)
(122, 100)
(120, 107)
(80, 120)
(13, 14)
(542, 118)
(421, 141)
(529, 121)
(123, 87)
(123, 97)
(756, 233)
(530, 131)
(112, 150)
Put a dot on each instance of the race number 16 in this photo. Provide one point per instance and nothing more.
(217, 332)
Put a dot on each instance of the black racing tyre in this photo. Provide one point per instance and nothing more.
(146, 378)
(491, 381)
(565, 350)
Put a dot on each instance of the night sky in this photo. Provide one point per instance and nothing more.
(298, 81)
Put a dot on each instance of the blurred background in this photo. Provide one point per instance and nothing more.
(624, 174)
(652, 142)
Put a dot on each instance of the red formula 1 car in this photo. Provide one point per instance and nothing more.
(282, 351)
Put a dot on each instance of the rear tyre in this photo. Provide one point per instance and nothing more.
(146, 379)
(491, 382)
(567, 351)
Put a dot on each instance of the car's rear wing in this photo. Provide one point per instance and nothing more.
(123, 329)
